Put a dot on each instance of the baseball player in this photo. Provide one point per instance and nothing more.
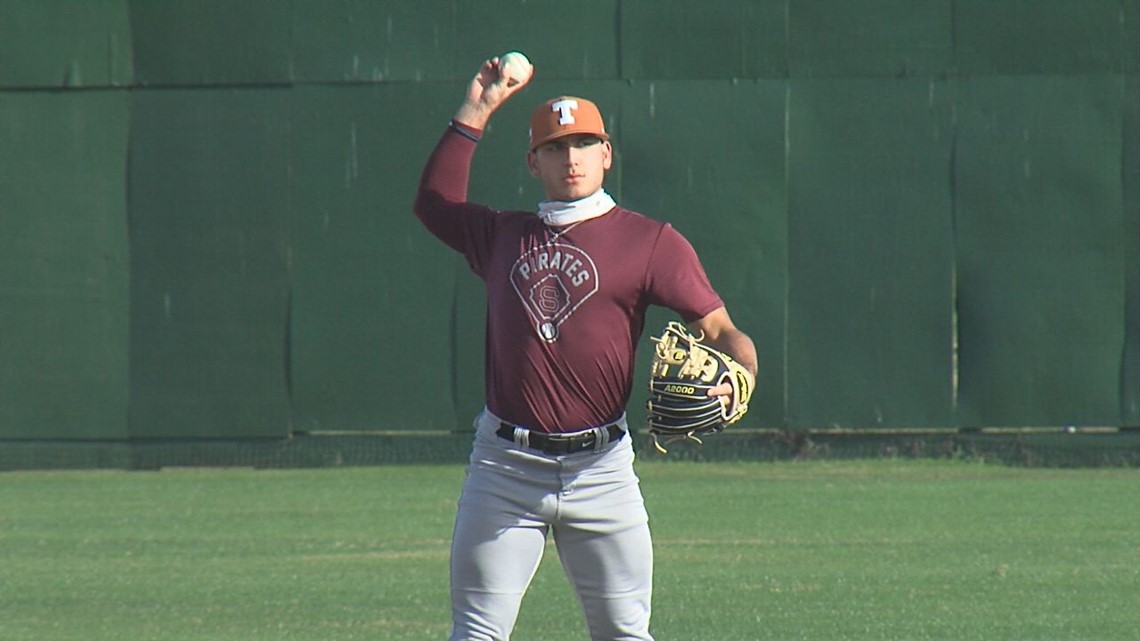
(567, 291)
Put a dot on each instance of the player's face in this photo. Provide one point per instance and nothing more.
(571, 167)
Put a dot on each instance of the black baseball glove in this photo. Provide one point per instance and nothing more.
(684, 370)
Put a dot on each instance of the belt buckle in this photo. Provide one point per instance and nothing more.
(583, 443)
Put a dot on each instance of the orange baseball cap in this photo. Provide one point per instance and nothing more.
(564, 116)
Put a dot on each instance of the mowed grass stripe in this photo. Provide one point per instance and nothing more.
(876, 549)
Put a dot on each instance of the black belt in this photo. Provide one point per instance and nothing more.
(555, 443)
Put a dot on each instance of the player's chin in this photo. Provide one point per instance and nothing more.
(574, 190)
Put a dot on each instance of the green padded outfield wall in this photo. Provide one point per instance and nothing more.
(64, 273)
(927, 214)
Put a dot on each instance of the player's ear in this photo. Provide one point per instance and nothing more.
(607, 155)
(532, 163)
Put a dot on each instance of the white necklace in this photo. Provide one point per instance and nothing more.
(558, 234)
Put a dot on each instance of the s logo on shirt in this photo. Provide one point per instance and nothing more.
(552, 281)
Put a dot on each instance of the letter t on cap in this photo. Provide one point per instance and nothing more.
(565, 110)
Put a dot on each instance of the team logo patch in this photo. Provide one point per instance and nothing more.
(552, 281)
(565, 109)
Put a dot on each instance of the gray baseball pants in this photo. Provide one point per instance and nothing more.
(512, 498)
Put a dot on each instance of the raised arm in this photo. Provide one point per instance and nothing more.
(489, 89)
(441, 200)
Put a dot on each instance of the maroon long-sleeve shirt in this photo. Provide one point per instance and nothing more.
(565, 306)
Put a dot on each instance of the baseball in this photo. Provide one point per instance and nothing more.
(515, 67)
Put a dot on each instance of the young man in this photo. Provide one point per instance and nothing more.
(567, 292)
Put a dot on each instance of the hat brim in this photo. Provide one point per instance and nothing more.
(562, 134)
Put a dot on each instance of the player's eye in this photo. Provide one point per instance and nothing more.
(585, 142)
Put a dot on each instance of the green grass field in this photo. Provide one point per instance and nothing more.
(819, 551)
